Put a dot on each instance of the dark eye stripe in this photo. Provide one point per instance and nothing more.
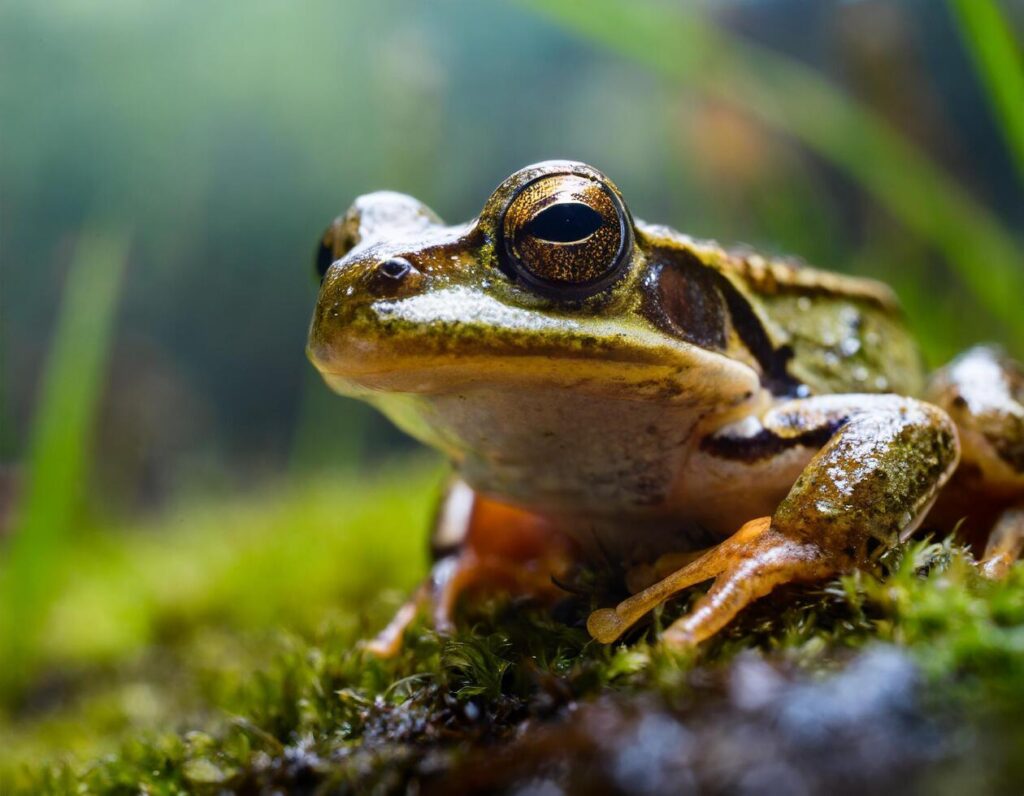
(565, 222)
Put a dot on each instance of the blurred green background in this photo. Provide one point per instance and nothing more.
(166, 170)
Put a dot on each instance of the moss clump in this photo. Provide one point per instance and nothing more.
(932, 650)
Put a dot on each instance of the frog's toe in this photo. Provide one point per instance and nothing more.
(776, 562)
(607, 624)
(746, 566)
(437, 595)
(388, 642)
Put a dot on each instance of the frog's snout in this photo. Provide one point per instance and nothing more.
(356, 282)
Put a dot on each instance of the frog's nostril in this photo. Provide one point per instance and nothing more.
(395, 268)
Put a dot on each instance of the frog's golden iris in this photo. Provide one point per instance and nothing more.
(566, 235)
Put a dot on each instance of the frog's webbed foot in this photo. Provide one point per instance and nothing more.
(885, 460)
(745, 567)
(1005, 544)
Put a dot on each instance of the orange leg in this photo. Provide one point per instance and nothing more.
(746, 566)
(1005, 544)
(641, 576)
(502, 548)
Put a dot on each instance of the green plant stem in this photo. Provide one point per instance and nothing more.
(58, 447)
(998, 62)
(789, 97)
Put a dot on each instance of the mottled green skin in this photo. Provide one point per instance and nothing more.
(845, 334)
(845, 344)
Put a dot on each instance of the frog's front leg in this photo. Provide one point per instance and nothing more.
(479, 545)
(879, 471)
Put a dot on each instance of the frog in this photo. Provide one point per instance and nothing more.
(618, 392)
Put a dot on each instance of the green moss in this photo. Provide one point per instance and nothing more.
(199, 698)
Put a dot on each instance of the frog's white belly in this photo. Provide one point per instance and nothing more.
(613, 471)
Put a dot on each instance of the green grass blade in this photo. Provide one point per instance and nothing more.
(686, 48)
(997, 59)
(57, 457)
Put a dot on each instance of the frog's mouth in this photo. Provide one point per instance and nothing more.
(457, 339)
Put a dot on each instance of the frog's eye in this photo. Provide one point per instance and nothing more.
(337, 239)
(566, 235)
(324, 257)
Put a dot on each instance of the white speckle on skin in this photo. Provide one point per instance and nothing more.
(983, 384)
(459, 304)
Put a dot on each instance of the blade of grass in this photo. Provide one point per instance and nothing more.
(997, 60)
(782, 93)
(58, 448)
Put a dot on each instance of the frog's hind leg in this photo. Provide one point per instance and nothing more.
(1005, 543)
(983, 392)
(873, 480)
(479, 545)
(388, 642)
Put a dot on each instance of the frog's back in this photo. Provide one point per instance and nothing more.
(830, 332)
(846, 334)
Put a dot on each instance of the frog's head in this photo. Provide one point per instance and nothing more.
(552, 284)
(550, 303)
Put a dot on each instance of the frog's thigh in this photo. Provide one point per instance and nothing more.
(467, 521)
(983, 391)
(876, 475)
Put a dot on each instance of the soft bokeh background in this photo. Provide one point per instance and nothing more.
(166, 170)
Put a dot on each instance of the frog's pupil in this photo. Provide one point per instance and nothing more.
(566, 222)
